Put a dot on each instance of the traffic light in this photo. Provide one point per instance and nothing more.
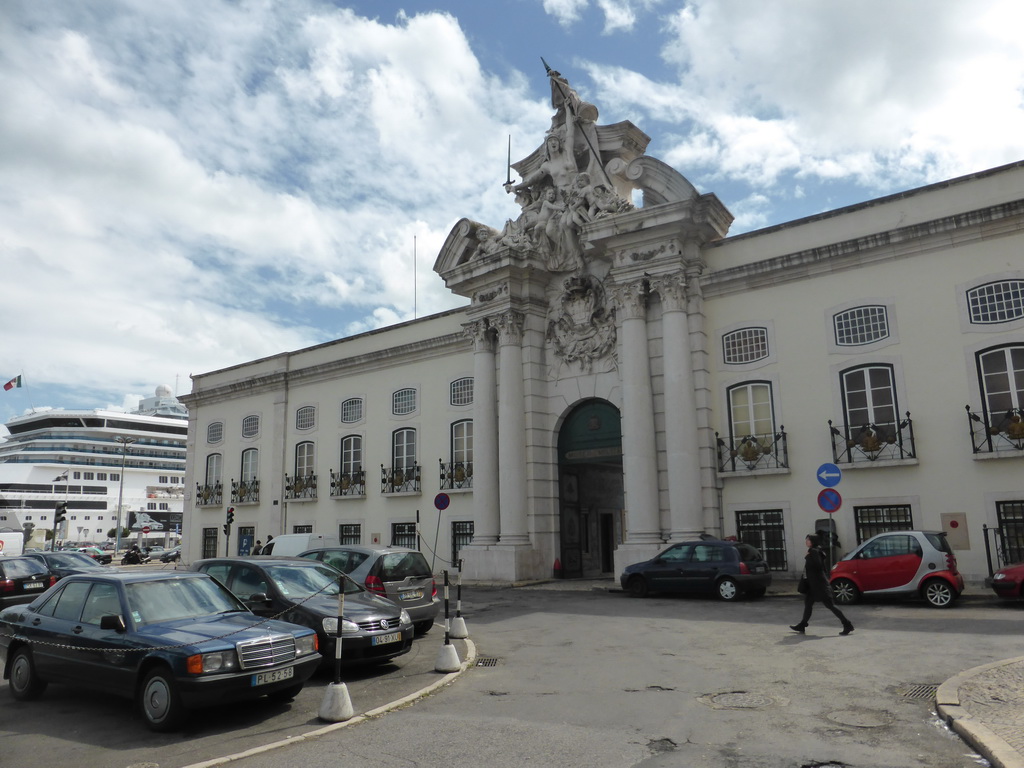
(60, 512)
(227, 529)
(231, 516)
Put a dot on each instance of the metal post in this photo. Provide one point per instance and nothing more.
(125, 442)
(337, 632)
(447, 622)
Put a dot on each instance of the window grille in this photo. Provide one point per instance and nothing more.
(403, 402)
(404, 535)
(305, 417)
(350, 534)
(215, 432)
(302, 529)
(861, 325)
(998, 302)
(765, 530)
(462, 535)
(352, 410)
(462, 392)
(746, 345)
(250, 426)
(870, 521)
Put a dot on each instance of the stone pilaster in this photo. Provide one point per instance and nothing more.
(511, 430)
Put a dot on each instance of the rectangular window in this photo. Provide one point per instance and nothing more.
(870, 521)
(210, 542)
(861, 325)
(352, 410)
(1010, 520)
(350, 534)
(462, 392)
(88, 476)
(462, 535)
(764, 529)
(404, 535)
(302, 529)
(746, 345)
(101, 475)
(403, 402)
(162, 479)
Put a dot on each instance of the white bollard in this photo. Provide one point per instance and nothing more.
(459, 631)
(336, 706)
(448, 659)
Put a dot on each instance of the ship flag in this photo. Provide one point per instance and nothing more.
(12, 384)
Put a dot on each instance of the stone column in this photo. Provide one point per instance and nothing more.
(639, 449)
(682, 442)
(485, 435)
(511, 430)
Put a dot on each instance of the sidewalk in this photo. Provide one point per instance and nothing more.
(983, 705)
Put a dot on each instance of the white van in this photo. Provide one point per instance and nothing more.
(13, 544)
(293, 543)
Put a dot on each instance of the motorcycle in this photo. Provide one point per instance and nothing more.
(134, 557)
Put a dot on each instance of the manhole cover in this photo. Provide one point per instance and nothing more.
(922, 691)
(740, 700)
(860, 718)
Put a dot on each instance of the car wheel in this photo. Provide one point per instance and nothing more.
(845, 592)
(25, 684)
(159, 701)
(637, 586)
(727, 590)
(938, 593)
(423, 627)
(285, 694)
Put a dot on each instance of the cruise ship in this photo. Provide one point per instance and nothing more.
(95, 460)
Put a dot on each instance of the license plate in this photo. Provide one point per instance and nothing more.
(262, 678)
(416, 595)
(32, 585)
(391, 637)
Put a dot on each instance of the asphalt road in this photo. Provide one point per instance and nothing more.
(595, 679)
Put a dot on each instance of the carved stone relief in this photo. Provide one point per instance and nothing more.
(581, 328)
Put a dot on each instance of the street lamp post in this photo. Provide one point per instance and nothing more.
(125, 442)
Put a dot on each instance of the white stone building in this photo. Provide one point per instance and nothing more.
(627, 375)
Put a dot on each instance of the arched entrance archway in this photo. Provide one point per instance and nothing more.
(591, 495)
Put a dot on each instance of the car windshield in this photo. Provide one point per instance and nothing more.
(72, 560)
(302, 581)
(396, 566)
(169, 599)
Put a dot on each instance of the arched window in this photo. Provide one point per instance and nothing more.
(214, 467)
(404, 449)
(403, 402)
(351, 455)
(305, 455)
(250, 426)
(250, 465)
(1001, 372)
(745, 345)
(462, 391)
(305, 417)
(869, 396)
(750, 409)
(998, 302)
(861, 325)
(352, 410)
(462, 442)
(215, 432)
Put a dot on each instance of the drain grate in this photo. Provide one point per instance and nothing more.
(487, 662)
(921, 691)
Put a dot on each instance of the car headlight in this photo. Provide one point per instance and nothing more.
(305, 645)
(999, 576)
(208, 663)
(404, 617)
(330, 625)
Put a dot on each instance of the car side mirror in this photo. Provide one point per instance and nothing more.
(112, 621)
(258, 597)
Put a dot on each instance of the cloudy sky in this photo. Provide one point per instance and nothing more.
(189, 185)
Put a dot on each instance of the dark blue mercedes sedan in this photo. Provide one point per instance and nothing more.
(172, 641)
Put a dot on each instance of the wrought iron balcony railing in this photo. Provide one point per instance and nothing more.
(1002, 432)
(245, 491)
(871, 442)
(753, 452)
(456, 474)
(300, 487)
(209, 495)
(399, 479)
(348, 483)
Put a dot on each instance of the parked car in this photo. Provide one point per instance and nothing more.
(727, 569)
(22, 580)
(62, 564)
(171, 555)
(305, 592)
(402, 575)
(97, 554)
(899, 564)
(173, 641)
(1008, 582)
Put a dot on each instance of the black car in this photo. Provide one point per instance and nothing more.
(62, 564)
(171, 555)
(306, 592)
(23, 579)
(171, 640)
(727, 569)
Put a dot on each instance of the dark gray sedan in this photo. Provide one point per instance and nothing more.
(306, 592)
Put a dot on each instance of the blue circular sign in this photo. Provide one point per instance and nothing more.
(441, 501)
(829, 475)
(829, 500)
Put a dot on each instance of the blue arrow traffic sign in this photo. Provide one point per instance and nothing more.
(829, 500)
(829, 475)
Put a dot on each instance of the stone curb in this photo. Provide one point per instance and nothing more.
(448, 678)
(990, 745)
